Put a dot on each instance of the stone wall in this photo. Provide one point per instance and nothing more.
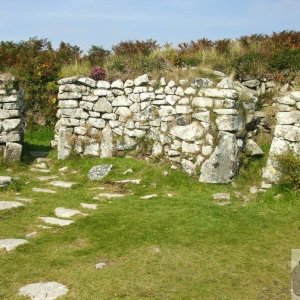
(286, 135)
(11, 119)
(199, 126)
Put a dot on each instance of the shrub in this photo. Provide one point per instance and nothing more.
(135, 47)
(289, 167)
(97, 73)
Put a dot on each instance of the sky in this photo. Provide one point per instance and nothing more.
(105, 23)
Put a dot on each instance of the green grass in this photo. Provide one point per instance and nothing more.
(206, 252)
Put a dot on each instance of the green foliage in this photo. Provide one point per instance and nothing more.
(38, 66)
(289, 168)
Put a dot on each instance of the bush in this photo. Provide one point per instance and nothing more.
(97, 73)
(289, 167)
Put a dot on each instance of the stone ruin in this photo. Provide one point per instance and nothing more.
(286, 135)
(199, 126)
(11, 119)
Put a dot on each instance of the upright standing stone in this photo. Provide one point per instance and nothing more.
(223, 164)
(106, 148)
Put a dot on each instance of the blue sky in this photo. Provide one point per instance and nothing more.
(99, 22)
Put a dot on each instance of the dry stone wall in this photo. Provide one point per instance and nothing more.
(11, 119)
(286, 135)
(198, 126)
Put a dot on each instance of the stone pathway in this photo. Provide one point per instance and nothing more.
(47, 178)
(23, 199)
(56, 221)
(149, 196)
(43, 290)
(40, 190)
(133, 181)
(89, 206)
(10, 204)
(40, 170)
(221, 199)
(62, 184)
(109, 196)
(11, 244)
(62, 212)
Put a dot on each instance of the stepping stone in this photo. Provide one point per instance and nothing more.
(99, 172)
(62, 184)
(40, 170)
(9, 204)
(221, 196)
(100, 265)
(41, 166)
(40, 160)
(39, 153)
(11, 244)
(43, 290)
(62, 212)
(98, 188)
(254, 190)
(128, 171)
(89, 206)
(63, 169)
(47, 191)
(110, 195)
(44, 227)
(149, 196)
(31, 234)
(133, 181)
(5, 180)
(23, 199)
(47, 178)
(56, 221)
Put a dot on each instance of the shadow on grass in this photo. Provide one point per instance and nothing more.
(37, 143)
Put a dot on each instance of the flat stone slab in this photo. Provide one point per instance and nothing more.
(10, 204)
(40, 190)
(149, 196)
(5, 180)
(56, 221)
(40, 170)
(62, 184)
(47, 178)
(133, 181)
(221, 196)
(99, 172)
(43, 290)
(23, 199)
(89, 206)
(11, 244)
(110, 195)
(62, 212)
